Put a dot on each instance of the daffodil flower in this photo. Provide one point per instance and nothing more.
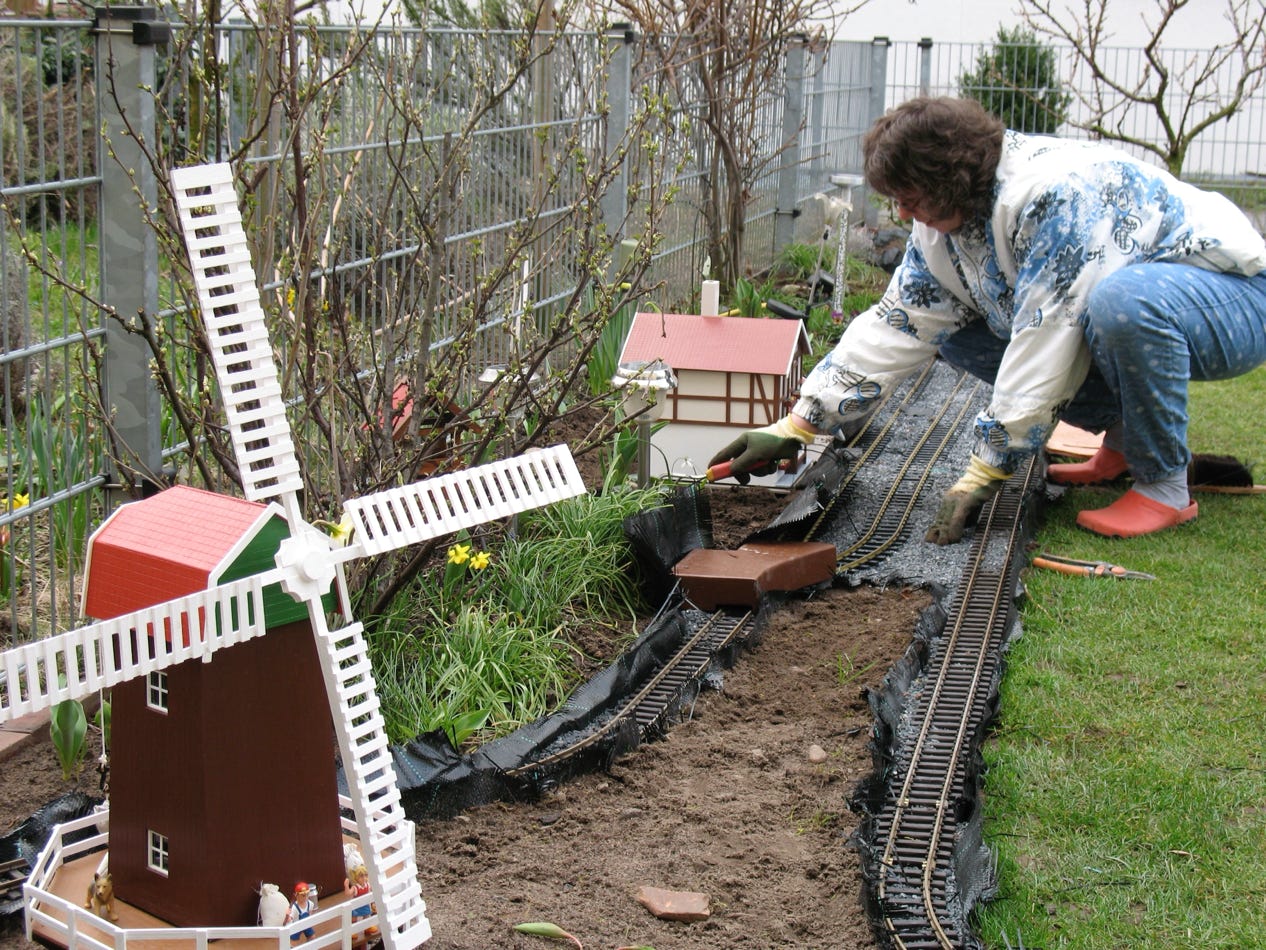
(459, 554)
(480, 560)
(17, 501)
(341, 533)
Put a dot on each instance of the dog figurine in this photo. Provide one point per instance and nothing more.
(101, 896)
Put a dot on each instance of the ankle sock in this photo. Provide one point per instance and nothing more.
(1171, 491)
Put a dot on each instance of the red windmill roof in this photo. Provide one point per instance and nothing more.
(168, 545)
(722, 344)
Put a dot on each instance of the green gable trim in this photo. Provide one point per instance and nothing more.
(257, 557)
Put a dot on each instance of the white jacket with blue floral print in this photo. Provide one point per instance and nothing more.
(1065, 214)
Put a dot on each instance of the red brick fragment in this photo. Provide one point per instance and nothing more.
(674, 905)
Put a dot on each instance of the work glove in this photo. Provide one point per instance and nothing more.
(758, 451)
(962, 502)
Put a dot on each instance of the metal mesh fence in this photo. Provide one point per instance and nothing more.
(53, 452)
(438, 174)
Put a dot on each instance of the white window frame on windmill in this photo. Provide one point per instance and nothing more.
(159, 848)
(157, 695)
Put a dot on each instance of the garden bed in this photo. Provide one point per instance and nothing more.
(747, 801)
(732, 803)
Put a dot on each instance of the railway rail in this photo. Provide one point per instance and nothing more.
(918, 829)
(648, 706)
(12, 876)
(891, 521)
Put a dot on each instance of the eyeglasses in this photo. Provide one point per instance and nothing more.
(909, 206)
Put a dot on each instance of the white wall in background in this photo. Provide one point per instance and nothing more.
(1199, 26)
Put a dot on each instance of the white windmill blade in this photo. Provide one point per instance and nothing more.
(386, 835)
(76, 664)
(444, 504)
(206, 201)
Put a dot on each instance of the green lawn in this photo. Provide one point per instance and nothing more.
(1126, 788)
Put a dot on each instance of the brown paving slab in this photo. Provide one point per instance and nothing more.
(711, 578)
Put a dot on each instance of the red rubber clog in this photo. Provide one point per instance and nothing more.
(1103, 466)
(1133, 514)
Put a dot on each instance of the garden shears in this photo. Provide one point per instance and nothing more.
(1068, 565)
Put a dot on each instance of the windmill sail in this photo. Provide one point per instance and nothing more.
(250, 388)
(387, 842)
(73, 665)
(448, 503)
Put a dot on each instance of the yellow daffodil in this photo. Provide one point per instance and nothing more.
(480, 560)
(459, 554)
(17, 501)
(341, 533)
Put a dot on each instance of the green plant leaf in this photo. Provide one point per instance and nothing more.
(67, 726)
(467, 724)
(102, 721)
(544, 929)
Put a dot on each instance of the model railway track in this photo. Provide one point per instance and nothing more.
(917, 827)
(12, 876)
(891, 522)
(871, 440)
(648, 705)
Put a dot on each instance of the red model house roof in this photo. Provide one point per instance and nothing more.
(723, 344)
(168, 545)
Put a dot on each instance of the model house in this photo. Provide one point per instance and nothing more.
(731, 371)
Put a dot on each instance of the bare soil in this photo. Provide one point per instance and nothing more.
(733, 803)
(736, 803)
(746, 802)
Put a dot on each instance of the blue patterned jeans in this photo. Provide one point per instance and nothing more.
(1151, 329)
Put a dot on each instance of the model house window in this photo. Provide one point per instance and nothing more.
(158, 855)
(156, 691)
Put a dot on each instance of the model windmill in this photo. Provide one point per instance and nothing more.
(247, 733)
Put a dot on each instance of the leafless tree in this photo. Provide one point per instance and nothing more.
(354, 146)
(1182, 92)
(724, 61)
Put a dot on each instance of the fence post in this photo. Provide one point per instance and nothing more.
(129, 247)
(925, 66)
(816, 136)
(878, 96)
(615, 200)
(792, 129)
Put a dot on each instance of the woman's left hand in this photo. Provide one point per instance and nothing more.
(961, 504)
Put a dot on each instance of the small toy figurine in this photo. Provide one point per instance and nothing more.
(352, 858)
(272, 906)
(301, 907)
(101, 896)
(357, 885)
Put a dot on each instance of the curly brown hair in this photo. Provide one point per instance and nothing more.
(942, 149)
